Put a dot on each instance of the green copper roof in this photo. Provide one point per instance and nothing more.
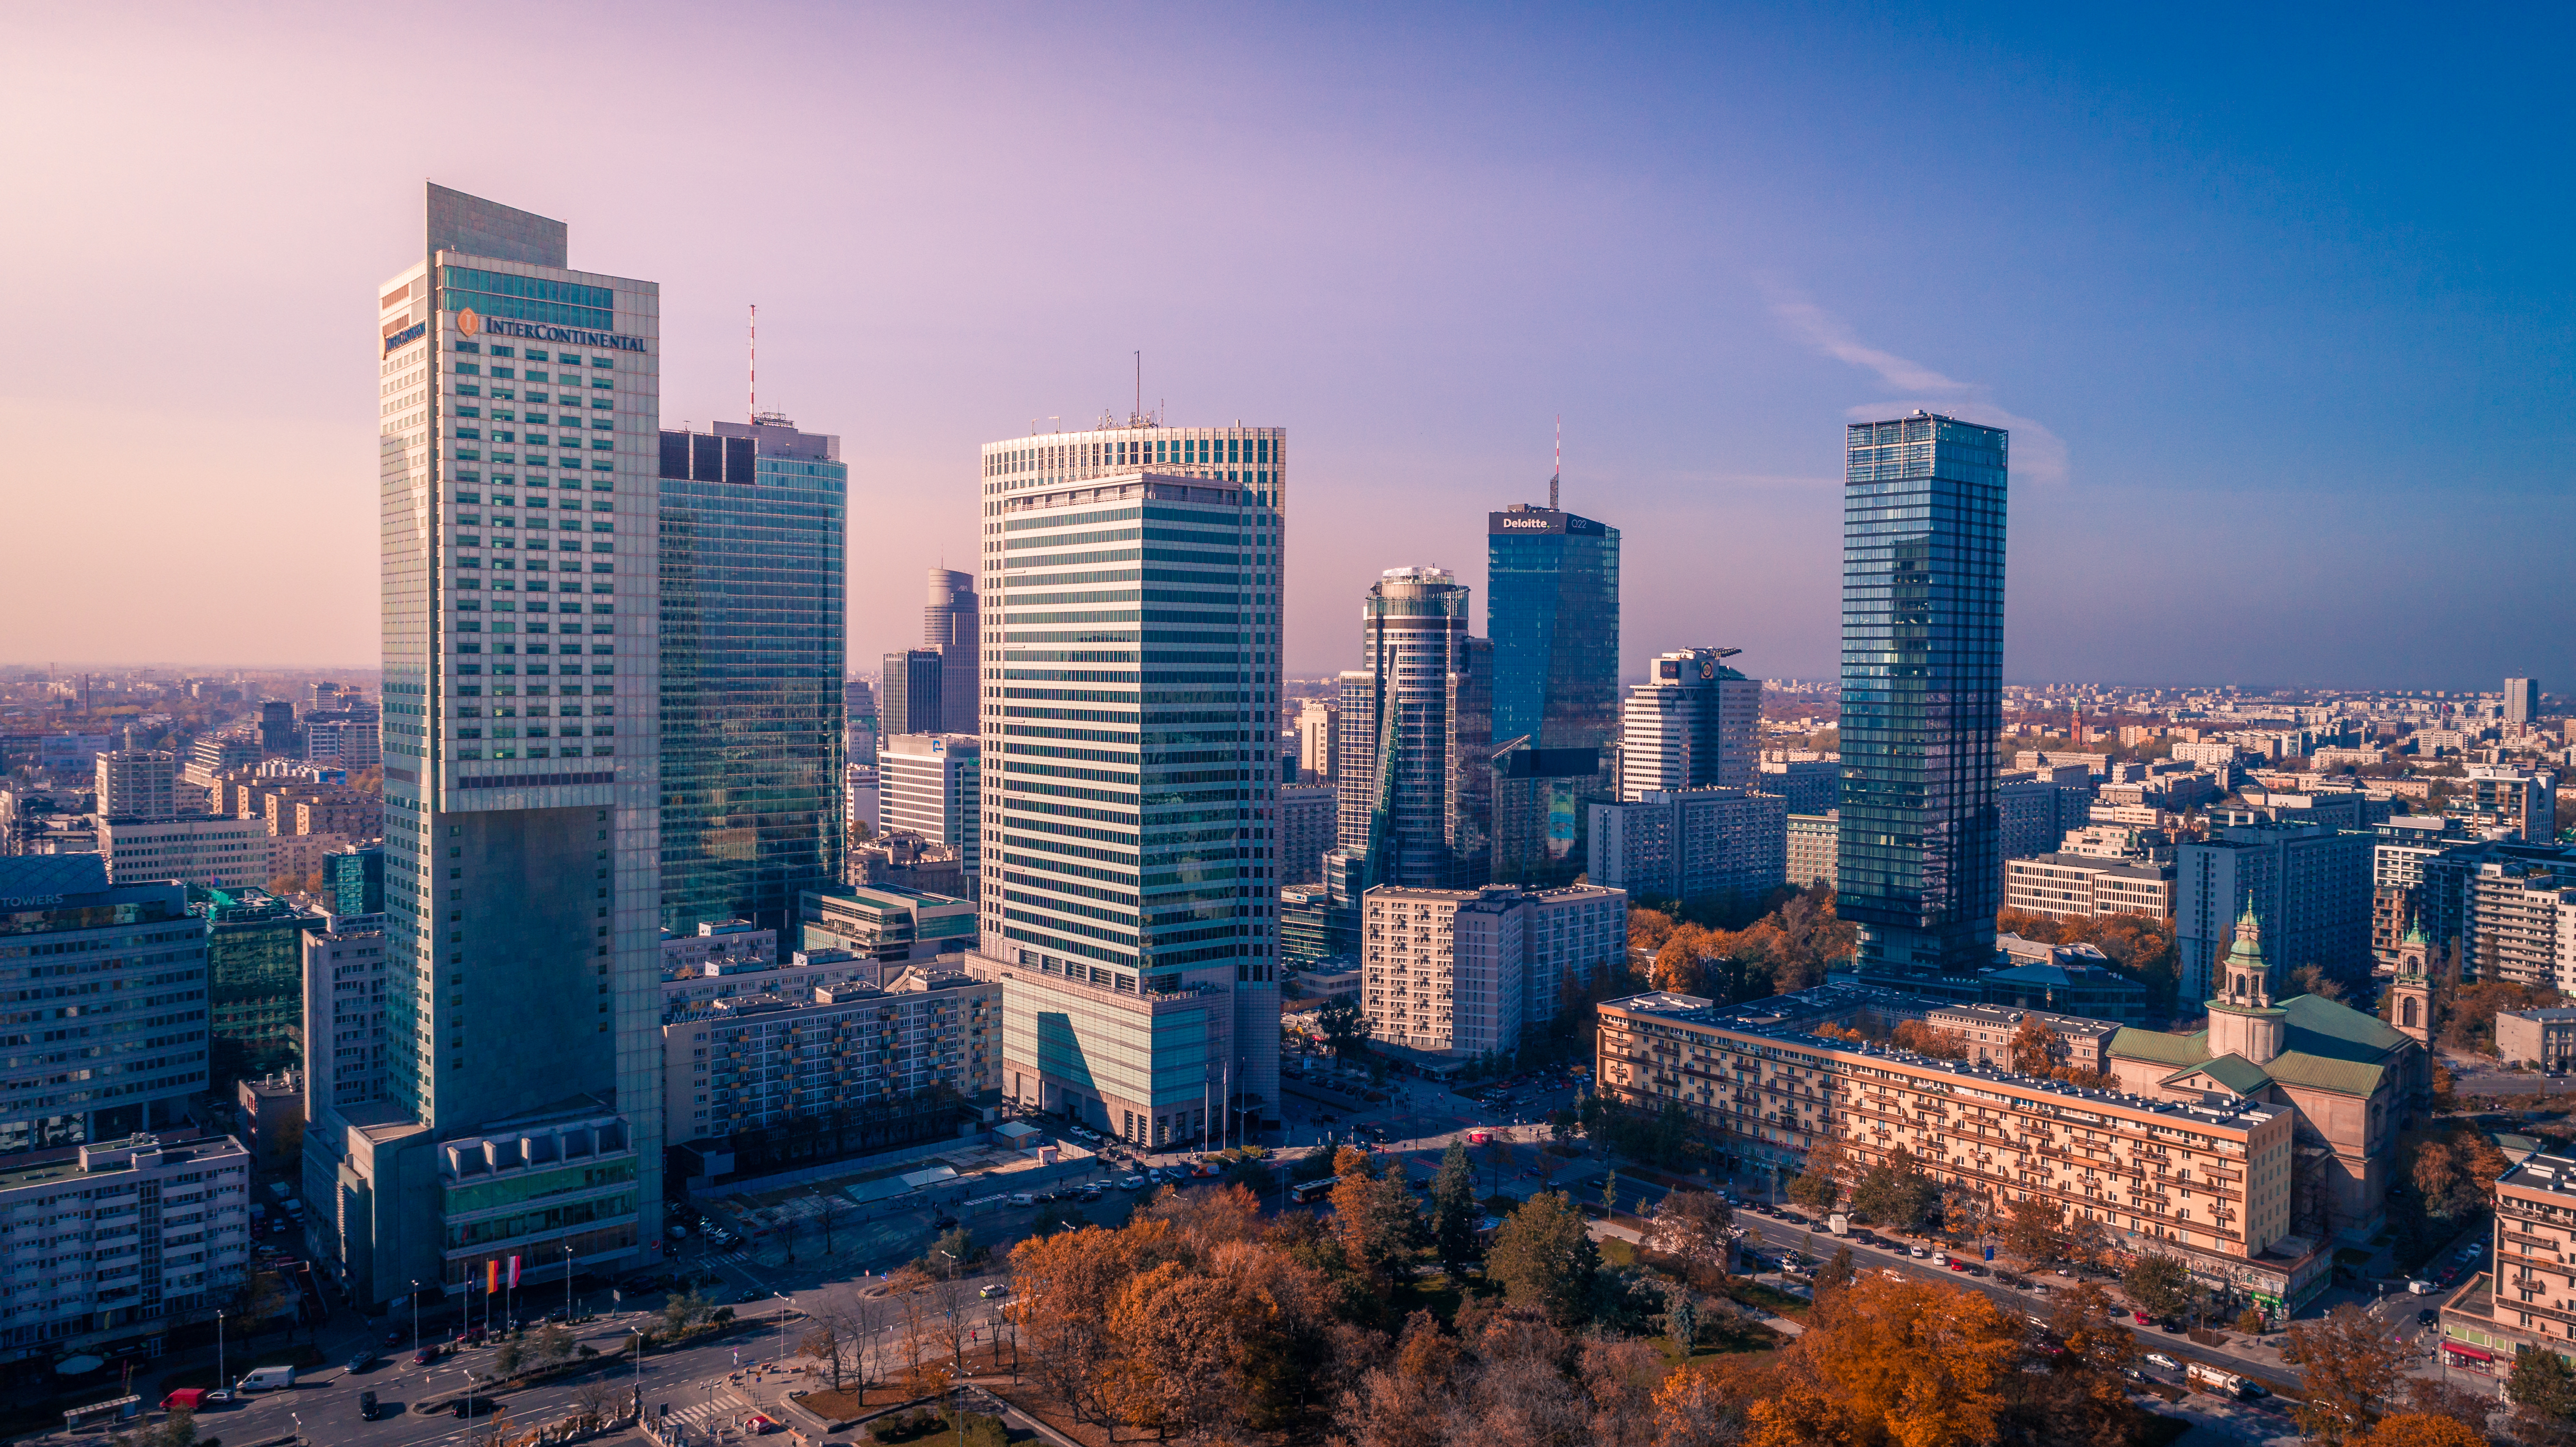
(2133, 1043)
(2231, 1070)
(2319, 1072)
(2340, 1032)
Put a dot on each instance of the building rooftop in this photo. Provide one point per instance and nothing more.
(1762, 1018)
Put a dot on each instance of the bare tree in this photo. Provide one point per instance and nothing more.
(950, 1300)
(597, 1401)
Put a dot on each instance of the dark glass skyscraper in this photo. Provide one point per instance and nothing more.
(1922, 692)
(1552, 606)
(752, 659)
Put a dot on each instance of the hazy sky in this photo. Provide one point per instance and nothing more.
(2275, 305)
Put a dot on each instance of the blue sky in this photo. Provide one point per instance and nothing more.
(2275, 304)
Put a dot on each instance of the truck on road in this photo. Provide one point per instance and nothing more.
(2217, 1379)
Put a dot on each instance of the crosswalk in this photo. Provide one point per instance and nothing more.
(723, 1407)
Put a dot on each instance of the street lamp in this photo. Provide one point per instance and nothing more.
(219, 1350)
(415, 1318)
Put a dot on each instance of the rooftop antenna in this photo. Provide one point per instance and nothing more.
(1557, 476)
(753, 362)
(1140, 384)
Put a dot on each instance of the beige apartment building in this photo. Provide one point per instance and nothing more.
(2524, 1300)
(2207, 1181)
(2078, 886)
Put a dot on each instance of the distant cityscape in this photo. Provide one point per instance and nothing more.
(618, 880)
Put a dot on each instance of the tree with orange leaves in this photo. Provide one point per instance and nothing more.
(2422, 1430)
(1905, 1362)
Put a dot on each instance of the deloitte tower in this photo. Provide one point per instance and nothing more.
(521, 1130)
(1130, 692)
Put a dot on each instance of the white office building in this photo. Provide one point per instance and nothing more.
(118, 1242)
(933, 785)
(1693, 724)
(217, 851)
(1688, 843)
(1129, 830)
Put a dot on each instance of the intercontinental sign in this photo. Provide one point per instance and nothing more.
(470, 322)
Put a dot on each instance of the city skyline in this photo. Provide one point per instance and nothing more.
(1689, 310)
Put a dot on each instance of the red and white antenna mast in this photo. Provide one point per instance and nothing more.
(1559, 475)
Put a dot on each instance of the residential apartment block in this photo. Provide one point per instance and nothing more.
(1812, 842)
(116, 1242)
(345, 980)
(1463, 971)
(753, 1062)
(2308, 883)
(1308, 815)
(2210, 1182)
(2522, 1300)
(1690, 843)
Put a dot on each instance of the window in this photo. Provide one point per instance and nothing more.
(502, 371)
(469, 369)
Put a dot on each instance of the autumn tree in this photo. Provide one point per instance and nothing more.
(1174, 1327)
(1910, 1362)
(1929, 1040)
(1690, 1226)
(2543, 1388)
(2416, 1429)
(1820, 1184)
(1894, 1193)
(2034, 1047)
(2034, 1230)
(1544, 1258)
(1690, 1411)
(1064, 1286)
(2347, 1368)
(1381, 1227)
(2161, 1285)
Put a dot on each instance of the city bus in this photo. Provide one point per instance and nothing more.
(1310, 1192)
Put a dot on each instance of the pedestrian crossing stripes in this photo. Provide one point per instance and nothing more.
(725, 1405)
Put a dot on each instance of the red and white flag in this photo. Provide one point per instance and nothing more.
(514, 1273)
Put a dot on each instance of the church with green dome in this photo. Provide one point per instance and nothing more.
(2352, 1080)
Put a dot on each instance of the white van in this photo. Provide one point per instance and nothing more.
(2419, 1288)
(266, 1379)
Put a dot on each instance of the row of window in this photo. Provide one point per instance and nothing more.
(598, 751)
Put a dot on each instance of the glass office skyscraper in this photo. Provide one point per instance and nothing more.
(753, 651)
(1130, 688)
(518, 403)
(1552, 606)
(1920, 867)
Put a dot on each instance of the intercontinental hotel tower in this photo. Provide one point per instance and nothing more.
(518, 460)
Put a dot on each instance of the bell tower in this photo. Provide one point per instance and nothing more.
(2243, 1020)
(2410, 996)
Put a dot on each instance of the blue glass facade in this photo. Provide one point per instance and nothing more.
(753, 640)
(1552, 609)
(1921, 867)
(1552, 606)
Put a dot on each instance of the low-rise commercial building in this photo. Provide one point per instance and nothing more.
(2544, 1038)
(2081, 886)
(885, 923)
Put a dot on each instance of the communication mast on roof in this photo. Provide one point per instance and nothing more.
(1557, 476)
(753, 363)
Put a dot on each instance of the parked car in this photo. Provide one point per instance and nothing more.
(2166, 1362)
(365, 1359)
(1023, 1198)
(425, 1355)
(751, 1293)
(993, 1289)
(678, 1232)
(1131, 1183)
